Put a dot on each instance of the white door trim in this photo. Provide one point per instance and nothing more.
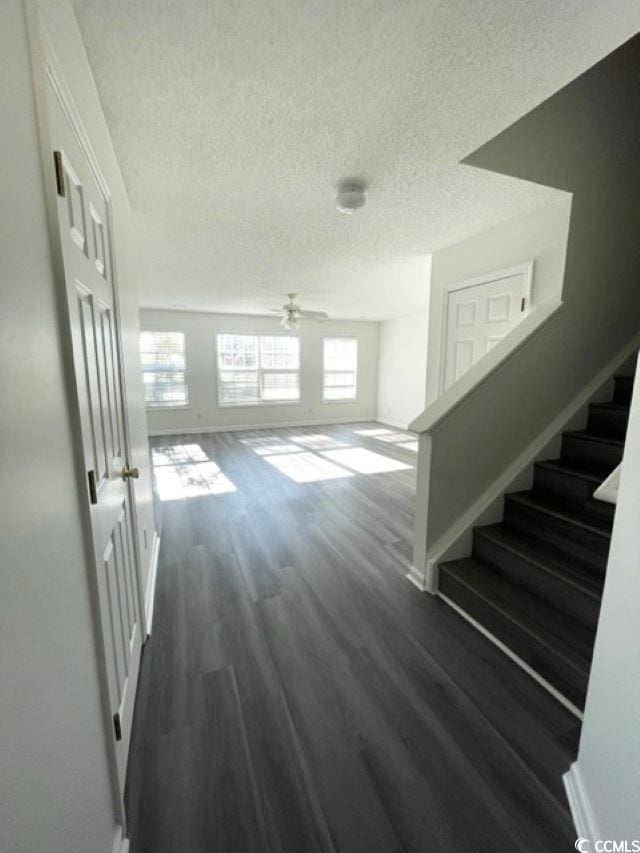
(525, 269)
(46, 68)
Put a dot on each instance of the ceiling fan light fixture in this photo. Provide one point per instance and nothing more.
(352, 194)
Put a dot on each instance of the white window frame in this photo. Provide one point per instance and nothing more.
(163, 404)
(293, 401)
(330, 401)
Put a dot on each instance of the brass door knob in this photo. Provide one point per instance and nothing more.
(130, 473)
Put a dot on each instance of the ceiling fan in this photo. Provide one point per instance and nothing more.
(292, 314)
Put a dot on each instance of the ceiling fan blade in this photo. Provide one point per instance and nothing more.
(276, 310)
(314, 315)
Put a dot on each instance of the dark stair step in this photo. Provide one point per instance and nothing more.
(591, 452)
(541, 570)
(608, 420)
(554, 645)
(580, 532)
(622, 389)
(573, 484)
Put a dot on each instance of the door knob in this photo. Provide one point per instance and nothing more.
(130, 473)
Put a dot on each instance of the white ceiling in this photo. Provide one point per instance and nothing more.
(233, 121)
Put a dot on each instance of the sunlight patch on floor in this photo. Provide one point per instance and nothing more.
(185, 471)
(305, 467)
(270, 445)
(178, 454)
(174, 482)
(365, 461)
(409, 445)
(318, 441)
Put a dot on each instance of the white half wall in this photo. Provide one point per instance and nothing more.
(402, 367)
(200, 329)
(539, 236)
(609, 755)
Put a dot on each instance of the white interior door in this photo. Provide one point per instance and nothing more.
(86, 249)
(478, 315)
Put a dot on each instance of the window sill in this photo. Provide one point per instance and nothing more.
(168, 408)
(333, 402)
(261, 403)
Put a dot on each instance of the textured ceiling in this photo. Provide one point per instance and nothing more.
(233, 121)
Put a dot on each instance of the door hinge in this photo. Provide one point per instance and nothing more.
(117, 728)
(93, 492)
(57, 162)
(522, 304)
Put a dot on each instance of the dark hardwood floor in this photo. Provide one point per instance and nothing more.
(298, 693)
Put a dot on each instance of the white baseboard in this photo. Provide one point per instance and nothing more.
(456, 541)
(514, 657)
(151, 583)
(582, 813)
(391, 423)
(417, 578)
(244, 427)
(120, 843)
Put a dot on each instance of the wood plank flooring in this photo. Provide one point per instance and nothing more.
(298, 693)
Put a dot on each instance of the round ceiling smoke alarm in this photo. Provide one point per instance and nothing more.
(352, 195)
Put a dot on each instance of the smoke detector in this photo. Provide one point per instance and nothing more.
(352, 194)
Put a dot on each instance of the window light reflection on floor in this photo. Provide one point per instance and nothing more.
(185, 471)
(409, 445)
(268, 445)
(393, 437)
(174, 482)
(306, 467)
(178, 454)
(318, 441)
(365, 461)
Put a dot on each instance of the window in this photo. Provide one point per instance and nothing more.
(340, 369)
(258, 369)
(163, 369)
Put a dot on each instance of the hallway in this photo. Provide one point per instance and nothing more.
(297, 693)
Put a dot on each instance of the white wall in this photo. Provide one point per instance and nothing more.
(540, 236)
(402, 366)
(55, 793)
(204, 413)
(609, 756)
(55, 787)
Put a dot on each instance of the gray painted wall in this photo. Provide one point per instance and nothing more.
(204, 413)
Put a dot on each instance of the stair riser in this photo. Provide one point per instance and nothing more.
(555, 669)
(572, 488)
(608, 422)
(623, 386)
(563, 485)
(588, 548)
(585, 452)
(517, 569)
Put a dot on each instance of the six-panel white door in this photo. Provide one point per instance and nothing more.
(478, 316)
(86, 248)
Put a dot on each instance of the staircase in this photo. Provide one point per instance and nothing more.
(535, 580)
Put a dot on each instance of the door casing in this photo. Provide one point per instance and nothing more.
(525, 270)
